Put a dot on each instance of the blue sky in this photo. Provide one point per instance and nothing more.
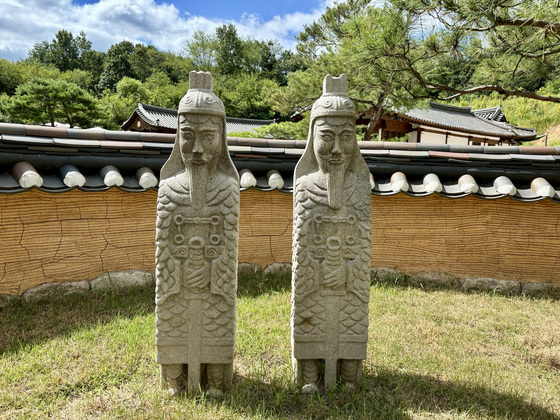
(167, 25)
(236, 9)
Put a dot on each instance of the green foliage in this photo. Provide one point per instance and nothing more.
(118, 65)
(10, 76)
(43, 100)
(229, 50)
(64, 52)
(245, 95)
(286, 130)
(202, 49)
(399, 52)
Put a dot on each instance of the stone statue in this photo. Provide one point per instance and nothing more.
(331, 247)
(196, 248)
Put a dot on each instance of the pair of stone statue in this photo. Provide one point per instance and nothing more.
(197, 240)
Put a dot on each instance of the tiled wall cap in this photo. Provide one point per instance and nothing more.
(26, 175)
(146, 178)
(399, 182)
(467, 184)
(71, 176)
(541, 187)
(275, 179)
(247, 179)
(504, 186)
(432, 183)
(111, 176)
(371, 181)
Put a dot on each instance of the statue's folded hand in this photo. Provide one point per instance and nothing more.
(198, 279)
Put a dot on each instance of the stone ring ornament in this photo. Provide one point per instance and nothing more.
(179, 220)
(350, 240)
(351, 219)
(215, 239)
(334, 243)
(196, 242)
(215, 220)
(318, 218)
(179, 239)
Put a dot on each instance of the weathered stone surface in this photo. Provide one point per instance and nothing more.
(541, 290)
(197, 232)
(488, 284)
(386, 274)
(277, 268)
(248, 268)
(53, 290)
(331, 247)
(5, 299)
(435, 279)
(122, 279)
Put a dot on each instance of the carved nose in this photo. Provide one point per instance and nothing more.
(336, 147)
(197, 147)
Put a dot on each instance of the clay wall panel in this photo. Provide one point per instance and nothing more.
(78, 236)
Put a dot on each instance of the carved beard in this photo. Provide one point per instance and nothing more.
(198, 181)
(335, 185)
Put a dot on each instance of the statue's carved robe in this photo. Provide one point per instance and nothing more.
(331, 272)
(196, 257)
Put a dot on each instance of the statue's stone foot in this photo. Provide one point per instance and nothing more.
(214, 392)
(351, 386)
(174, 391)
(310, 389)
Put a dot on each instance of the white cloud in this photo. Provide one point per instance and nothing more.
(23, 23)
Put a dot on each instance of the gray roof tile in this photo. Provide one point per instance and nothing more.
(463, 119)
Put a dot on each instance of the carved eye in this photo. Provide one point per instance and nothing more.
(347, 137)
(188, 135)
(326, 136)
(209, 136)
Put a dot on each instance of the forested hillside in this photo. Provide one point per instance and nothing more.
(66, 80)
(398, 54)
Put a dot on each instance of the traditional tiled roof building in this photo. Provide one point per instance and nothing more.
(155, 119)
(448, 124)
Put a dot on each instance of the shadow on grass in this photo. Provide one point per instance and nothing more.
(30, 323)
(26, 324)
(257, 283)
(389, 394)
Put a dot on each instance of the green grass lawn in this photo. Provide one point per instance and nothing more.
(431, 355)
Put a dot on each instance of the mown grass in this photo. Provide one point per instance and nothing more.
(431, 354)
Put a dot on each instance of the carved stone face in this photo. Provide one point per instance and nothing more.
(200, 139)
(332, 142)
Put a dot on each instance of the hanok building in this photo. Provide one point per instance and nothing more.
(448, 124)
(156, 119)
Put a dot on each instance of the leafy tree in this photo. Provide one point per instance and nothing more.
(145, 60)
(118, 65)
(399, 52)
(10, 76)
(46, 100)
(245, 95)
(177, 68)
(64, 52)
(229, 50)
(202, 50)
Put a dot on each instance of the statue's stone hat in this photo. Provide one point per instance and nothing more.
(200, 98)
(334, 101)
